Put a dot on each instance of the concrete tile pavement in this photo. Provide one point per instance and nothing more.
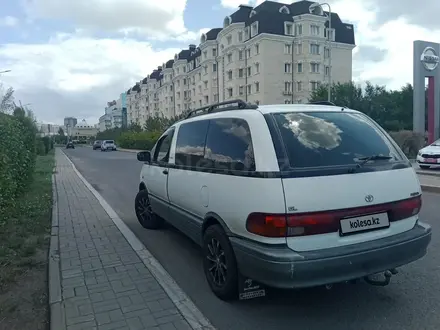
(97, 279)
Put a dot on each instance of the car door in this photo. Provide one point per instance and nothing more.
(157, 175)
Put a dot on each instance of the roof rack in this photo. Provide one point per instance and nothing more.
(322, 103)
(222, 106)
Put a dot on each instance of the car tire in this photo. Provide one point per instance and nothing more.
(424, 167)
(145, 215)
(216, 244)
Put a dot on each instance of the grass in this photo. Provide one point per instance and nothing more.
(27, 229)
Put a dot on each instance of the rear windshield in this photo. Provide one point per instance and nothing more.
(316, 139)
(109, 141)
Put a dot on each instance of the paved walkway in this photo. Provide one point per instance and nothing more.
(104, 283)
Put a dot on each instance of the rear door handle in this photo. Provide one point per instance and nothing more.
(165, 172)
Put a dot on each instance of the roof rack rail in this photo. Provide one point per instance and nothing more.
(322, 103)
(222, 106)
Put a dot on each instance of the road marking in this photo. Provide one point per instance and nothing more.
(189, 310)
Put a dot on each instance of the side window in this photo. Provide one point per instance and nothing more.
(229, 145)
(190, 143)
(162, 149)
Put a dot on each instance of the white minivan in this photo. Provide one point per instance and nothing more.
(287, 196)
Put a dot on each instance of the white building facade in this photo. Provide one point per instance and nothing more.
(268, 54)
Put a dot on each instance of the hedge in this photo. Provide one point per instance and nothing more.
(17, 156)
(138, 140)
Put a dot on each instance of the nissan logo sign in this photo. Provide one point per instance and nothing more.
(429, 58)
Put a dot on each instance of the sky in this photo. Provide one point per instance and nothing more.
(69, 58)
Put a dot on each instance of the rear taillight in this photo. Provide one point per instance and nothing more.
(303, 224)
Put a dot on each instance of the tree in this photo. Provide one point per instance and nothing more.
(60, 131)
(7, 104)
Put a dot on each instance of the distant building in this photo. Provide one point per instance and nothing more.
(83, 131)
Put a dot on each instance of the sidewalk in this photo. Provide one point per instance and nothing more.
(97, 280)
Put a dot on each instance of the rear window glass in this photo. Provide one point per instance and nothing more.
(109, 141)
(316, 139)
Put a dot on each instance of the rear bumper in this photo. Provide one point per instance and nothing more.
(283, 268)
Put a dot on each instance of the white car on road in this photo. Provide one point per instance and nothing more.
(429, 155)
(108, 145)
(285, 196)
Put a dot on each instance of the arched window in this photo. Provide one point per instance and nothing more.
(284, 10)
(253, 12)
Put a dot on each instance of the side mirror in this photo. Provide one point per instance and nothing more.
(144, 156)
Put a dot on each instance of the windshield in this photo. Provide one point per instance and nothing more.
(316, 139)
(436, 143)
(109, 141)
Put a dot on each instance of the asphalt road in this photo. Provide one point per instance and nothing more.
(411, 301)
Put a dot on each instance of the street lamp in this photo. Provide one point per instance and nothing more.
(316, 9)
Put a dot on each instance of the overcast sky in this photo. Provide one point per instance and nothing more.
(68, 58)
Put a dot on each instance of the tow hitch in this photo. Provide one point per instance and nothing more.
(375, 280)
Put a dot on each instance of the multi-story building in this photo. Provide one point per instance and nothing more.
(83, 131)
(271, 53)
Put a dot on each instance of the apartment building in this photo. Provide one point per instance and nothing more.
(271, 53)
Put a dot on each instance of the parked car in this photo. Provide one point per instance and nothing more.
(70, 145)
(108, 145)
(429, 155)
(287, 196)
(97, 144)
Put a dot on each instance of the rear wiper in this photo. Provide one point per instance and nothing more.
(365, 160)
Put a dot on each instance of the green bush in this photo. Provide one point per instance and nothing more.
(409, 141)
(17, 156)
(41, 147)
(138, 140)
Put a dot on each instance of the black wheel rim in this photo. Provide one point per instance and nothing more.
(143, 209)
(217, 267)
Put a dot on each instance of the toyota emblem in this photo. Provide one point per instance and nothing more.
(369, 198)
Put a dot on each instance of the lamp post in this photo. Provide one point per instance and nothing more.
(316, 8)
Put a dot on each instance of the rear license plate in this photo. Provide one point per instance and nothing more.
(431, 160)
(365, 222)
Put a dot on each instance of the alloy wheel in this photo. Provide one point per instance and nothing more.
(217, 262)
(144, 209)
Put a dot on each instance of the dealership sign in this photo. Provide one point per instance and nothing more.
(430, 59)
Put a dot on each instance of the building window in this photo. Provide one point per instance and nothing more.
(240, 36)
(254, 29)
(287, 68)
(299, 67)
(288, 28)
(230, 75)
(314, 49)
(326, 52)
(330, 34)
(287, 86)
(288, 49)
(215, 97)
(314, 67)
(249, 71)
(299, 86)
(286, 101)
(249, 89)
(313, 85)
(229, 92)
(299, 49)
(327, 70)
(206, 84)
(284, 10)
(248, 53)
(205, 69)
(298, 29)
(205, 55)
(241, 90)
(240, 55)
(257, 68)
(206, 99)
(257, 49)
(257, 87)
(229, 58)
(240, 73)
(314, 30)
(214, 52)
(214, 67)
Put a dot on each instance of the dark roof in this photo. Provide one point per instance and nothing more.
(271, 21)
(212, 34)
(155, 74)
(145, 80)
(169, 64)
(241, 15)
(128, 92)
(136, 88)
(184, 54)
(160, 76)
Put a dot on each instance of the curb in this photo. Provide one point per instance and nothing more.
(422, 172)
(184, 304)
(129, 150)
(430, 188)
(57, 311)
